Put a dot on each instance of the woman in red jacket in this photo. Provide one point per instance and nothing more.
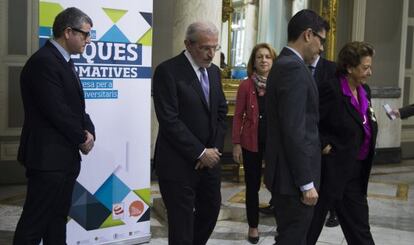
(249, 129)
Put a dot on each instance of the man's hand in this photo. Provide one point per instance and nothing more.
(396, 113)
(87, 146)
(237, 153)
(209, 159)
(310, 197)
(327, 149)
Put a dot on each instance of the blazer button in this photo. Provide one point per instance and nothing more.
(252, 106)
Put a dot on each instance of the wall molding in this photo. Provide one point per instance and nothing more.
(391, 92)
(8, 150)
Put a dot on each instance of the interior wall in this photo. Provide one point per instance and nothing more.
(383, 24)
(344, 25)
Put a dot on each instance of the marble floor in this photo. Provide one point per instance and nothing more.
(391, 202)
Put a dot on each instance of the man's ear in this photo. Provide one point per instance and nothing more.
(307, 34)
(187, 43)
(66, 33)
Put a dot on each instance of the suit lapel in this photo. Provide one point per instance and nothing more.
(351, 109)
(288, 52)
(194, 80)
(67, 67)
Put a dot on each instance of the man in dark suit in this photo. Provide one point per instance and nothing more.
(55, 128)
(323, 71)
(404, 112)
(293, 148)
(191, 111)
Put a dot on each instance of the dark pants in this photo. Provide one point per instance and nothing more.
(45, 211)
(252, 163)
(192, 207)
(293, 219)
(318, 220)
(351, 210)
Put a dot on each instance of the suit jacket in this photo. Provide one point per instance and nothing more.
(324, 71)
(292, 148)
(187, 125)
(406, 111)
(54, 113)
(341, 126)
(246, 117)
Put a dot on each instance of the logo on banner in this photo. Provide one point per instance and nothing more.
(136, 208)
(114, 53)
(118, 211)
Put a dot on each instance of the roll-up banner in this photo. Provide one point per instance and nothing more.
(111, 199)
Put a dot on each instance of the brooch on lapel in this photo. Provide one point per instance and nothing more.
(371, 113)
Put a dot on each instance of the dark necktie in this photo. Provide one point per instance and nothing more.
(205, 84)
(312, 69)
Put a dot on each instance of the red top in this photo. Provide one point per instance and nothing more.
(246, 117)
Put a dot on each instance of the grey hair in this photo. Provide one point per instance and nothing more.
(70, 17)
(197, 28)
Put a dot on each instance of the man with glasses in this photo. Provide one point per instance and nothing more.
(56, 127)
(191, 111)
(293, 153)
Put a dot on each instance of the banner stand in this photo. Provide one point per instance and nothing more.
(112, 197)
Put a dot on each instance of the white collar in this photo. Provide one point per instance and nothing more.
(63, 51)
(295, 52)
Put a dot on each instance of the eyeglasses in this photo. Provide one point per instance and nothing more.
(206, 48)
(86, 34)
(321, 39)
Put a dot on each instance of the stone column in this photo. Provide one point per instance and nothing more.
(250, 37)
(186, 12)
(170, 22)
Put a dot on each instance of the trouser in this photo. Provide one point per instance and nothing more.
(45, 211)
(192, 207)
(252, 163)
(293, 219)
(352, 212)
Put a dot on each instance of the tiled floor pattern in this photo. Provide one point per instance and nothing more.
(391, 201)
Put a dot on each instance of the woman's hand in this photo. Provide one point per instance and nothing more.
(237, 153)
(327, 149)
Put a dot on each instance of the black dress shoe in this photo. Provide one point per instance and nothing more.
(267, 210)
(253, 239)
(332, 221)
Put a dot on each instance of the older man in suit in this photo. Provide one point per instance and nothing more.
(55, 128)
(323, 71)
(293, 149)
(191, 111)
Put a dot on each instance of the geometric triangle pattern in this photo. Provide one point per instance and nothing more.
(78, 193)
(147, 17)
(146, 39)
(115, 14)
(86, 210)
(145, 216)
(113, 190)
(82, 200)
(110, 222)
(48, 12)
(145, 195)
(114, 34)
